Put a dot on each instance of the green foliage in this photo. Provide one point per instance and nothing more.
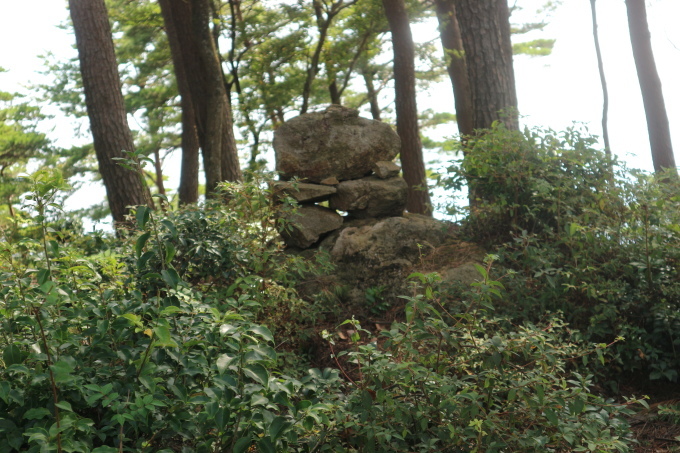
(101, 353)
(20, 142)
(583, 237)
(165, 341)
(459, 381)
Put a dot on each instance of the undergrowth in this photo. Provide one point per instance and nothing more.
(170, 340)
(579, 234)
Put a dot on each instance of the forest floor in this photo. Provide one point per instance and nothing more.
(655, 433)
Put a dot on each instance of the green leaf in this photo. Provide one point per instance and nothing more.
(263, 332)
(12, 355)
(577, 406)
(170, 277)
(164, 338)
(170, 226)
(141, 242)
(241, 445)
(4, 391)
(481, 270)
(143, 215)
(551, 416)
(170, 252)
(278, 427)
(134, 319)
(64, 405)
(265, 446)
(37, 413)
(258, 373)
(62, 371)
(223, 362)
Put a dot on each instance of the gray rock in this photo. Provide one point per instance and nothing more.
(386, 169)
(333, 143)
(302, 192)
(306, 225)
(465, 274)
(371, 197)
(388, 242)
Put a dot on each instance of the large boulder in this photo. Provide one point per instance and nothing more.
(371, 197)
(335, 143)
(394, 241)
(307, 224)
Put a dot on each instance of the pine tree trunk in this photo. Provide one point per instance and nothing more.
(650, 86)
(198, 57)
(412, 163)
(188, 182)
(452, 42)
(105, 107)
(485, 30)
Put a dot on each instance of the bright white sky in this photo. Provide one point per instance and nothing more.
(553, 91)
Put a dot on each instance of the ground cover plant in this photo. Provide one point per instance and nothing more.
(172, 339)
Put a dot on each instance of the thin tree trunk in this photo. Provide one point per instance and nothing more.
(158, 167)
(106, 108)
(413, 167)
(334, 92)
(372, 95)
(650, 86)
(603, 80)
(322, 24)
(485, 31)
(452, 42)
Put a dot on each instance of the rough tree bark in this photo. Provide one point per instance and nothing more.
(188, 182)
(452, 42)
(106, 108)
(413, 167)
(485, 31)
(650, 86)
(603, 80)
(197, 55)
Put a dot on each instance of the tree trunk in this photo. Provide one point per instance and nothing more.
(188, 182)
(413, 167)
(650, 86)
(372, 94)
(322, 24)
(452, 42)
(105, 107)
(485, 30)
(198, 57)
(603, 80)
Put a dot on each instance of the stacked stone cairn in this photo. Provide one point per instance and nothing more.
(335, 156)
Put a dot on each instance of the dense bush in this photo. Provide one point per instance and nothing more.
(454, 381)
(118, 352)
(582, 236)
(165, 341)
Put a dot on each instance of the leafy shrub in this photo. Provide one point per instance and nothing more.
(105, 355)
(461, 382)
(582, 236)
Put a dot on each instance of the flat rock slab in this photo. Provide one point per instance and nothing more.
(386, 169)
(302, 192)
(306, 226)
(371, 197)
(335, 143)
